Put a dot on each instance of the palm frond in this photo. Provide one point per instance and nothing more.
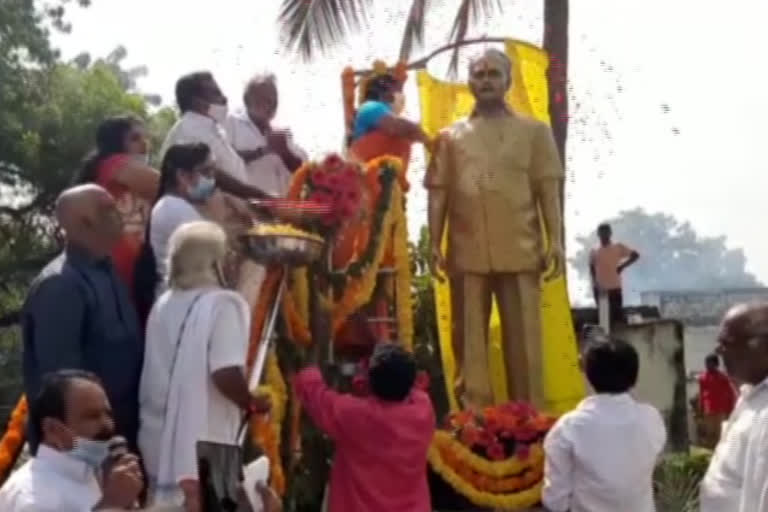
(414, 28)
(309, 26)
(468, 13)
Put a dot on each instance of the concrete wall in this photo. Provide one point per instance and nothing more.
(662, 379)
(703, 307)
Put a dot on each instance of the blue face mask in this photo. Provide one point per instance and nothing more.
(203, 189)
(90, 451)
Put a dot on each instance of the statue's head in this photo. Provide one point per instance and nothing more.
(490, 75)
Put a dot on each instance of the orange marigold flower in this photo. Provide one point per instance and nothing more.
(469, 436)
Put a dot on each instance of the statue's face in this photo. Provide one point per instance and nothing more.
(488, 80)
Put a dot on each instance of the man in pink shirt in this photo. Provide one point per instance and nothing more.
(606, 263)
(380, 463)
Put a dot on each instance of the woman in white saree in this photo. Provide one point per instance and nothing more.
(193, 384)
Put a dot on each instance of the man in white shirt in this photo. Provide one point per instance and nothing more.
(204, 110)
(600, 457)
(270, 155)
(737, 478)
(193, 383)
(73, 418)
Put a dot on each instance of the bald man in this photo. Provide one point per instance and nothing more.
(78, 314)
(270, 154)
(495, 178)
(737, 478)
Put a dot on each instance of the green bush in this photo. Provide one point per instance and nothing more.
(676, 481)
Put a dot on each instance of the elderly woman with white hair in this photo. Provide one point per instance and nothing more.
(193, 384)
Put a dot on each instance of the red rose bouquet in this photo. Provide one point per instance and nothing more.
(501, 432)
(338, 184)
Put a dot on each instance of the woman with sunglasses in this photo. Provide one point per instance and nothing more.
(120, 165)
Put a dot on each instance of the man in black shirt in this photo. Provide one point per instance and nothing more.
(78, 314)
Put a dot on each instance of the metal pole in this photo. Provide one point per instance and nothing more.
(266, 334)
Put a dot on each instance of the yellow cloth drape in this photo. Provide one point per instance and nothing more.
(443, 103)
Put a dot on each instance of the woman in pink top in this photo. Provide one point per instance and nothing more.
(119, 164)
(380, 463)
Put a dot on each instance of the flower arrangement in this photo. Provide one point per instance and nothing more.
(13, 439)
(493, 457)
(366, 208)
(501, 432)
(266, 430)
(375, 232)
(337, 184)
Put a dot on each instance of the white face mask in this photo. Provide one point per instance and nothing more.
(218, 112)
(90, 451)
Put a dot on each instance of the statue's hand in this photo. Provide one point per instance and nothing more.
(437, 263)
(554, 262)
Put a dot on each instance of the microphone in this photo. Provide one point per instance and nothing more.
(118, 448)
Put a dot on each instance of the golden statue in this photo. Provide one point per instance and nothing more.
(495, 178)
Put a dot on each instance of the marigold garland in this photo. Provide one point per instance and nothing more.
(13, 439)
(265, 430)
(361, 275)
(505, 501)
(298, 330)
(488, 483)
(348, 95)
(444, 441)
(357, 291)
(403, 309)
(300, 293)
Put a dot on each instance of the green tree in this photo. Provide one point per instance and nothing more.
(49, 111)
(54, 131)
(672, 255)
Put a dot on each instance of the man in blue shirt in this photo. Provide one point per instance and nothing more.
(78, 314)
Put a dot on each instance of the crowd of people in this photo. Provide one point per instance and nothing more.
(138, 331)
(135, 342)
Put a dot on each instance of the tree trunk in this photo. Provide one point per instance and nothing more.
(556, 45)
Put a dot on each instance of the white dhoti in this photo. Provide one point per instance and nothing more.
(179, 404)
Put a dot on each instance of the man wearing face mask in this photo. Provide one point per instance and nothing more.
(71, 472)
(270, 154)
(204, 110)
(78, 313)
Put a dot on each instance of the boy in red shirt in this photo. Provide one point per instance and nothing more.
(380, 463)
(717, 398)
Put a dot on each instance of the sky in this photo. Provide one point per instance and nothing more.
(667, 97)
